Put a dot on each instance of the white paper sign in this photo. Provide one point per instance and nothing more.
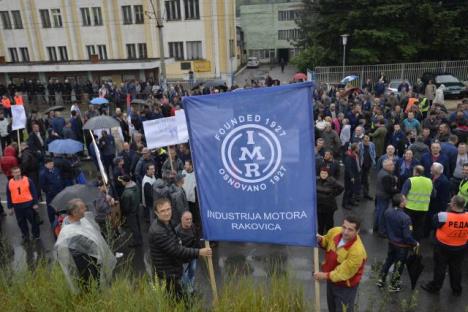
(166, 131)
(18, 116)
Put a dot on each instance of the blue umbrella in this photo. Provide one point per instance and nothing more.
(67, 146)
(99, 101)
(349, 79)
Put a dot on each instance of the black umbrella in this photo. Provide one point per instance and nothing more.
(101, 122)
(215, 84)
(415, 267)
(54, 108)
(87, 193)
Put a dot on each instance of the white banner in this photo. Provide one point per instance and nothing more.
(166, 131)
(18, 116)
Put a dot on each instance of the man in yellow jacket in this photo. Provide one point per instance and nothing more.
(345, 257)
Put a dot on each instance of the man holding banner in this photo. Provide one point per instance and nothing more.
(344, 264)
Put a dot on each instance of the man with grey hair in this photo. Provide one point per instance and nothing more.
(441, 195)
(81, 250)
(386, 187)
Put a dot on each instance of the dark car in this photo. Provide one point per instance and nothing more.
(453, 86)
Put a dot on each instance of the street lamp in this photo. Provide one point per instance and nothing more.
(344, 40)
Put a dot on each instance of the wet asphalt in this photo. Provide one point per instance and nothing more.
(259, 260)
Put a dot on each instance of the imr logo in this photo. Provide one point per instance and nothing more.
(251, 153)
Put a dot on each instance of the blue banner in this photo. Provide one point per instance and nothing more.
(253, 153)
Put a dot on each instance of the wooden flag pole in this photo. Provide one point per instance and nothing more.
(18, 135)
(317, 283)
(214, 289)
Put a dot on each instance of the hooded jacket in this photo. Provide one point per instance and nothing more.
(130, 199)
(8, 160)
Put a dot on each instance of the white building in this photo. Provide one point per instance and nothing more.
(116, 39)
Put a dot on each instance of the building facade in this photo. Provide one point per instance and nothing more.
(116, 39)
(270, 29)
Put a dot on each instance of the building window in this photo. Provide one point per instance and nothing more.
(289, 34)
(139, 14)
(13, 55)
(24, 54)
(85, 16)
(102, 51)
(56, 17)
(17, 19)
(5, 20)
(63, 53)
(142, 51)
(45, 18)
(289, 15)
(232, 48)
(176, 50)
(91, 50)
(262, 54)
(194, 50)
(97, 15)
(52, 54)
(192, 10)
(127, 14)
(172, 10)
(131, 51)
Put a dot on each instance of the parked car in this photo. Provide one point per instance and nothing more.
(453, 86)
(395, 84)
(253, 62)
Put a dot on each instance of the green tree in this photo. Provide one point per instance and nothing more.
(382, 31)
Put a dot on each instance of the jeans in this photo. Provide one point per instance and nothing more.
(397, 256)
(340, 298)
(381, 204)
(188, 277)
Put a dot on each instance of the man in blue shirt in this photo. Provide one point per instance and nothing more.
(52, 184)
(398, 229)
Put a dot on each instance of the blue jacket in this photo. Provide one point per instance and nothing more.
(398, 227)
(402, 172)
(58, 123)
(426, 162)
(51, 182)
(441, 196)
(34, 201)
(371, 152)
(451, 152)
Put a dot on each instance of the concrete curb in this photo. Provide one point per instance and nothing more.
(240, 71)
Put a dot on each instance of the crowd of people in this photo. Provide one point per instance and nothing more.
(415, 147)
(417, 151)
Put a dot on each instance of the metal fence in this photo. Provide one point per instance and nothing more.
(409, 71)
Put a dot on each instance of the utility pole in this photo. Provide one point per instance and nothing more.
(159, 27)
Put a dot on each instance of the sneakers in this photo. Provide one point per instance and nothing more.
(394, 288)
(380, 283)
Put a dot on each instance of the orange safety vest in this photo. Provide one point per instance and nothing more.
(6, 103)
(455, 230)
(19, 191)
(411, 102)
(18, 100)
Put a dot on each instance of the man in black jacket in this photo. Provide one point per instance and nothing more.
(385, 188)
(167, 252)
